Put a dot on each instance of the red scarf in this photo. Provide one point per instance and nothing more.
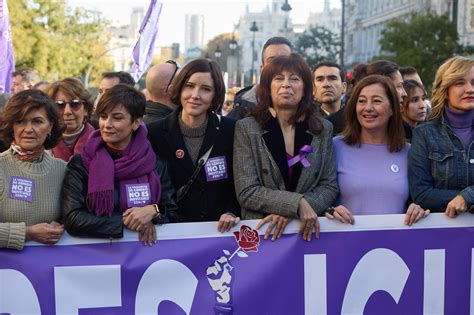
(24, 155)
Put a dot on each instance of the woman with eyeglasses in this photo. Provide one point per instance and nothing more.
(198, 145)
(75, 104)
(30, 179)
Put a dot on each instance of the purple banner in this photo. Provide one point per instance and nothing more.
(143, 51)
(7, 64)
(378, 266)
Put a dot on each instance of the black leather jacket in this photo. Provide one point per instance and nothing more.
(79, 221)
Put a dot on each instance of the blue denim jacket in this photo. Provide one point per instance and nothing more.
(439, 168)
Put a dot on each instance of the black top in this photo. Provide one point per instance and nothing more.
(206, 199)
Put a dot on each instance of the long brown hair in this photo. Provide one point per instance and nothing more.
(306, 111)
(395, 131)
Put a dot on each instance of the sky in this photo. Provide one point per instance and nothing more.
(220, 16)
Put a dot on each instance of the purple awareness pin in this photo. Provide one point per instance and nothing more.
(304, 151)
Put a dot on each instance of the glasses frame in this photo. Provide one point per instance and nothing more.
(74, 104)
(172, 62)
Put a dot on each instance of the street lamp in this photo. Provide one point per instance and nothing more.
(286, 7)
(253, 29)
(233, 44)
(232, 63)
(218, 53)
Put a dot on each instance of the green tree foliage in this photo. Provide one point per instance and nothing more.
(424, 42)
(221, 40)
(318, 44)
(56, 40)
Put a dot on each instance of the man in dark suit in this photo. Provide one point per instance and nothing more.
(246, 99)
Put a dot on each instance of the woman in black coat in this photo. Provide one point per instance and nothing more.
(198, 146)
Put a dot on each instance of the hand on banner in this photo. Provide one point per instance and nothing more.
(46, 233)
(227, 221)
(415, 213)
(456, 206)
(308, 220)
(137, 217)
(276, 221)
(148, 234)
(341, 214)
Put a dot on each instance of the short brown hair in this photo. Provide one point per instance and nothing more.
(353, 129)
(73, 88)
(195, 66)
(123, 94)
(20, 104)
(306, 111)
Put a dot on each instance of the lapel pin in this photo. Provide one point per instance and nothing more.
(179, 154)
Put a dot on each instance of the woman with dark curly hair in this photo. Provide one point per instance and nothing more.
(75, 104)
(284, 166)
(30, 179)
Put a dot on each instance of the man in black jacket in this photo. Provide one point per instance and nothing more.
(158, 81)
(246, 99)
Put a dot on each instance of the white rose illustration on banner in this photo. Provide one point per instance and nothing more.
(220, 273)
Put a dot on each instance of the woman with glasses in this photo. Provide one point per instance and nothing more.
(75, 104)
(198, 145)
(30, 179)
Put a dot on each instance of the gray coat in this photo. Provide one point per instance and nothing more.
(259, 183)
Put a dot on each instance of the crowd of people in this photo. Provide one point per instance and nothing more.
(300, 144)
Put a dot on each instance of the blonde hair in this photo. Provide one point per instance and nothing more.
(450, 71)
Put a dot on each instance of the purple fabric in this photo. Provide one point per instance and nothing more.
(7, 64)
(136, 166)
(461, 124)
(270, 281)
(371, 179)
(301, 157)
(143, 50)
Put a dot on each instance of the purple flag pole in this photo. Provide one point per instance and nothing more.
(7, 64)
(143, 50)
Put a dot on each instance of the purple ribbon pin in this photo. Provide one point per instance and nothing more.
(304, 151)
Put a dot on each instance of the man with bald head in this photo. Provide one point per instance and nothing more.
(158, 83)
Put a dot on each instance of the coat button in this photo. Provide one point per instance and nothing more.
(471, 161)
(265, 171)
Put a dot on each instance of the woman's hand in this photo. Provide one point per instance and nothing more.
(137, 217)
(415, 213)
(276, 221)
(46, 233)
(148, 234)
(456, 206)
(308, 219)
(341, 214)
(227, 221)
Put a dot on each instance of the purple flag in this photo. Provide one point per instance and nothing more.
(7, 64)
(143, 51)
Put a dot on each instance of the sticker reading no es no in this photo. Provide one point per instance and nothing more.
(216, 168)
(138, 194)
(21, 188)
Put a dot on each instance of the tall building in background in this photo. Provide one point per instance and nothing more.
(272, 21)
(365, 20)
(329, 18)
(194, 31)
(136, 19)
